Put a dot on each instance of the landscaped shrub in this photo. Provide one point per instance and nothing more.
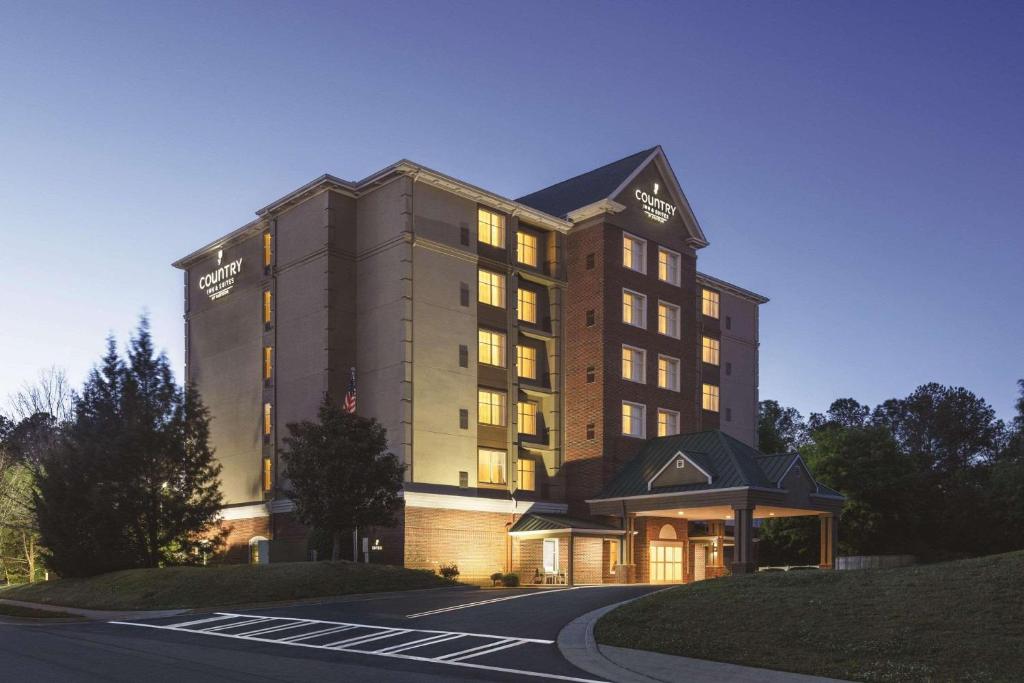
(496, 577)
(449, 571)
(510, 580)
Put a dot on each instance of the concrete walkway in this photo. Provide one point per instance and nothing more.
(623, 665)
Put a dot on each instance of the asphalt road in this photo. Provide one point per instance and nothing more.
(447, 635)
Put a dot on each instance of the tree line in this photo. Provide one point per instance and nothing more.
(935, 474)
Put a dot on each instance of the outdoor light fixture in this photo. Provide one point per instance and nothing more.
(681, 512)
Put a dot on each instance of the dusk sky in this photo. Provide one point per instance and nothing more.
(860, 163)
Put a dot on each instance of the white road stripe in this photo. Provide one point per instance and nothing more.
(203, 621)
(487, 652)
(274, 629)
(248, 622)
(314, 634)
(453, 656)
(489, 602)
(367, 638)
(422, 642)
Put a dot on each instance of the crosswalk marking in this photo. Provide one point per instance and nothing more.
(276, 630)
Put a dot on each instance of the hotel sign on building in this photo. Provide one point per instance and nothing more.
(218, 282)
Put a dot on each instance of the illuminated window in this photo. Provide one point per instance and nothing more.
(490, 466)
(492, 288)
(268, 308)
(527, 306)
(634, 308)
(668, 373)
(267, 421)
(527, 412)
(668, 422)
(268, 362)
(710, 401)
(492, 348)
(709, 303)
(491, 228)
(710, 350)
(613, 556)
(633, 253)
(668, 319)
(268, 481)
(550, 556)
(526, 474)
(668, 266)
(267, 252)
(526, 361)
(526, 248)
(633, 419)
(633, 361)
(491, 407)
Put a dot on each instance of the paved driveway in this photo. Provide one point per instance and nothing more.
(443, 635)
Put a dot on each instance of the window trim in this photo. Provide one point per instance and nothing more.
(679, 265)
(678, 364)
(642, 363)
(643, 420)
(643, 309)
(668, 411)
(643, 253)
(678, 310)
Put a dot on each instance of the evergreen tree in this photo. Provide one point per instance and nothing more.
(132, 481)
(341, 475)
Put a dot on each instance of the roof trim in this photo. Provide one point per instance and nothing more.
(704, 278)
(681, 493)
(596, 209)
(576, 531)
(650, 482)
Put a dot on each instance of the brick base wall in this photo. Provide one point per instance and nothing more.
(240, 531)
(477, 542)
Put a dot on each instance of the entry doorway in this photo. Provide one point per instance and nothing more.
(666, 561)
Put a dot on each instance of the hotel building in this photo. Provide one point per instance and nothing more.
(524, 356)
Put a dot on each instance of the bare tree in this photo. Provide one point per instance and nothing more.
(51, 393)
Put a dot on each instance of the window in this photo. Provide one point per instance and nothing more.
(526, 248)
(268, 362)
(668, 266)
(551, 555)
(463, 356)
(710, 401)
(728, 368)
(463, 294)
(710, 350)
(728, 322)
(633, 419)
(613, 556)
(259, 550)
(463, 480)
(590, 262)
(526, 474)
(490, 466)
(590, 431)
(491, 407)
(492, 288)
(527, 415)
(633, 249)
(526, 361)
(267, 421)
(268, 480)
(709, 303)
(668, 422)
(491, 228)
(464, 235)
(268, 308)
(634, 308)
(463, 418)
(633, 362)
(591, 374)
(591, 317)
(527, 305)
(492, 348)
(668, 373)
(267, 251)
(668, 319)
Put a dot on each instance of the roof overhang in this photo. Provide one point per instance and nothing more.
(552, 533)
(736, 290)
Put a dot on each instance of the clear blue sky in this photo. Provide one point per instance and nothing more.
(860, 163)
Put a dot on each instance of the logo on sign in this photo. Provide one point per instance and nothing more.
(656, 208)
(219, 282)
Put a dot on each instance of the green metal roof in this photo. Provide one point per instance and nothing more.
(532, 521)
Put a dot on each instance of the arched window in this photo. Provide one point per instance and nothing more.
(667, 533)
(259, 550)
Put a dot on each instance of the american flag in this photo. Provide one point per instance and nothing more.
(349, 406)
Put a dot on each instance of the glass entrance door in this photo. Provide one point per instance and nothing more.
(666, 560)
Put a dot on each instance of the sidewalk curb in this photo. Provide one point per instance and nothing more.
(96, 614)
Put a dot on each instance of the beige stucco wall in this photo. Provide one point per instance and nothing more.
(739, 390)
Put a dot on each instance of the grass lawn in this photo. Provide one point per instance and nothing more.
(223, 585)
(955, 621)
(29, 613)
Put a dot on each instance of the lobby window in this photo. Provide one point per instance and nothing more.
(268, 422)
(668, 422)
(492, 348)
(268, 306)
(668, 373)
(491, 407)
(634, 308)
(268, 252)
(526, 474)
(526, 305)
(668, 266)
(526, 248)
(709, 303)
(709, 352)
(633, 362)
(527, 415)
(526, 361)
(491, 228)
(634, 252)
(634, 417)
(492, 288)
(710, 397)
(668, 319)
(268, 362)
(490, 466)
(268, 481)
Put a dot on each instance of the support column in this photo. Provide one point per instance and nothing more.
(743, 555)
(827, 541)
(568, 575)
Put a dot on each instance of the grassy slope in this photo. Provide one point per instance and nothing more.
(960, 621)
(29, 613)
(176, 587)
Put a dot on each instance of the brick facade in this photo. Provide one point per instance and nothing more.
(478, 542)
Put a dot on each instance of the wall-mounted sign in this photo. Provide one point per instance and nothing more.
(377, 545)
(657, 209)
(218, 283)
